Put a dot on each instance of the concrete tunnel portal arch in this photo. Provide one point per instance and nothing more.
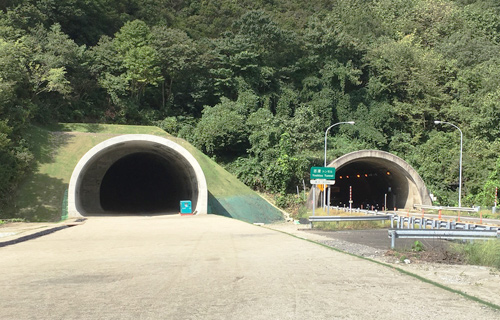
(376, 178)
(136, 174)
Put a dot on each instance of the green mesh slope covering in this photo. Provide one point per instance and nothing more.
(249, 208)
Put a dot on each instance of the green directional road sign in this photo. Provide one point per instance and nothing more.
(325, 173)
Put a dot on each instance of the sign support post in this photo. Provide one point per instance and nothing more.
(494, 209)
(327, 187)
(350, 198)
(314, 197)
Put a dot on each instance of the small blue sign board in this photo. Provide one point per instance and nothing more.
(186, 207)
(324, 173)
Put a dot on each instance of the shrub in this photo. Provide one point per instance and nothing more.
(417, 246)
(484, 253)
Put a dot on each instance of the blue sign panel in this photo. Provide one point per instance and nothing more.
(186, 207)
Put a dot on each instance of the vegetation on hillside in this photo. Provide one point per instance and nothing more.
(254, 84)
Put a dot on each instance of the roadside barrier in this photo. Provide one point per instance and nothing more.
(462, 209)
(424, 223)
(442, 234)
(348, 218)
(417, 227)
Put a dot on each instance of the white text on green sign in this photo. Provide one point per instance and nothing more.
(327, 173)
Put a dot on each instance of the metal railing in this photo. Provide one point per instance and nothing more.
(442, 234)
(424, 223)
(406, 226)
(462, 209)
(348, 218)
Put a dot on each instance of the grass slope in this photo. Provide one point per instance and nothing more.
(60, 148)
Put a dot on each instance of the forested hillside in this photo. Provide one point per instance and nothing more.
(254, 83)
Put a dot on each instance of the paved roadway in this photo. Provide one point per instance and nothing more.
(206, 267)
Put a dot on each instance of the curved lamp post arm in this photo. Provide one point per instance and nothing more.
(460, 172)
(328, 129)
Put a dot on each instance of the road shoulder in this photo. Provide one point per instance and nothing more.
(477, 281)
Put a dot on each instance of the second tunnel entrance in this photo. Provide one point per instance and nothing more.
(369, 185)
(376, 179)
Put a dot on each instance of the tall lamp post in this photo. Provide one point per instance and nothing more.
(328, 129)
(460, 172)
(326, 134)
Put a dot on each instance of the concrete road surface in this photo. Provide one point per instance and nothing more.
(206, 267)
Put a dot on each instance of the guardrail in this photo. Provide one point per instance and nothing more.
(441, 234)
(348, 218)
(424, 223)
(347, 209)
(410, 222)
(462, 209)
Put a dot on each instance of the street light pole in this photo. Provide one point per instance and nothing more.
(460, 172)
(328, 129)
(326, 134)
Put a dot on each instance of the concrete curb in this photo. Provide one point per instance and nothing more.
(25, 231)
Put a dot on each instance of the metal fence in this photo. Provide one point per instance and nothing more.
(417, 227)
(348, 218)
(442, 234)
(462, 209)
(424, 223)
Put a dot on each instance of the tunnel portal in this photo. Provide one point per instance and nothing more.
(136, 174)
(376, 179)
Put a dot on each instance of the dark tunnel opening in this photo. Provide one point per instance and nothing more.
(142, 183)
(371, 184)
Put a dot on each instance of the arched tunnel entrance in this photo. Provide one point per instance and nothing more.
(136, 174)
(376, 179)
(141, 182)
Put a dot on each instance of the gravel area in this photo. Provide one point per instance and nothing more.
(480, 282)
(332, 239)
(354, 248)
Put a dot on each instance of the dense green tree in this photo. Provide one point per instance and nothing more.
(486, 197)
(413, 79)
(57, 71)
(180, 63)
(15, 114)
(288, 168)
(222, 129)
(125, 66)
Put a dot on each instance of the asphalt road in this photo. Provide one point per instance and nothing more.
(206, 267)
